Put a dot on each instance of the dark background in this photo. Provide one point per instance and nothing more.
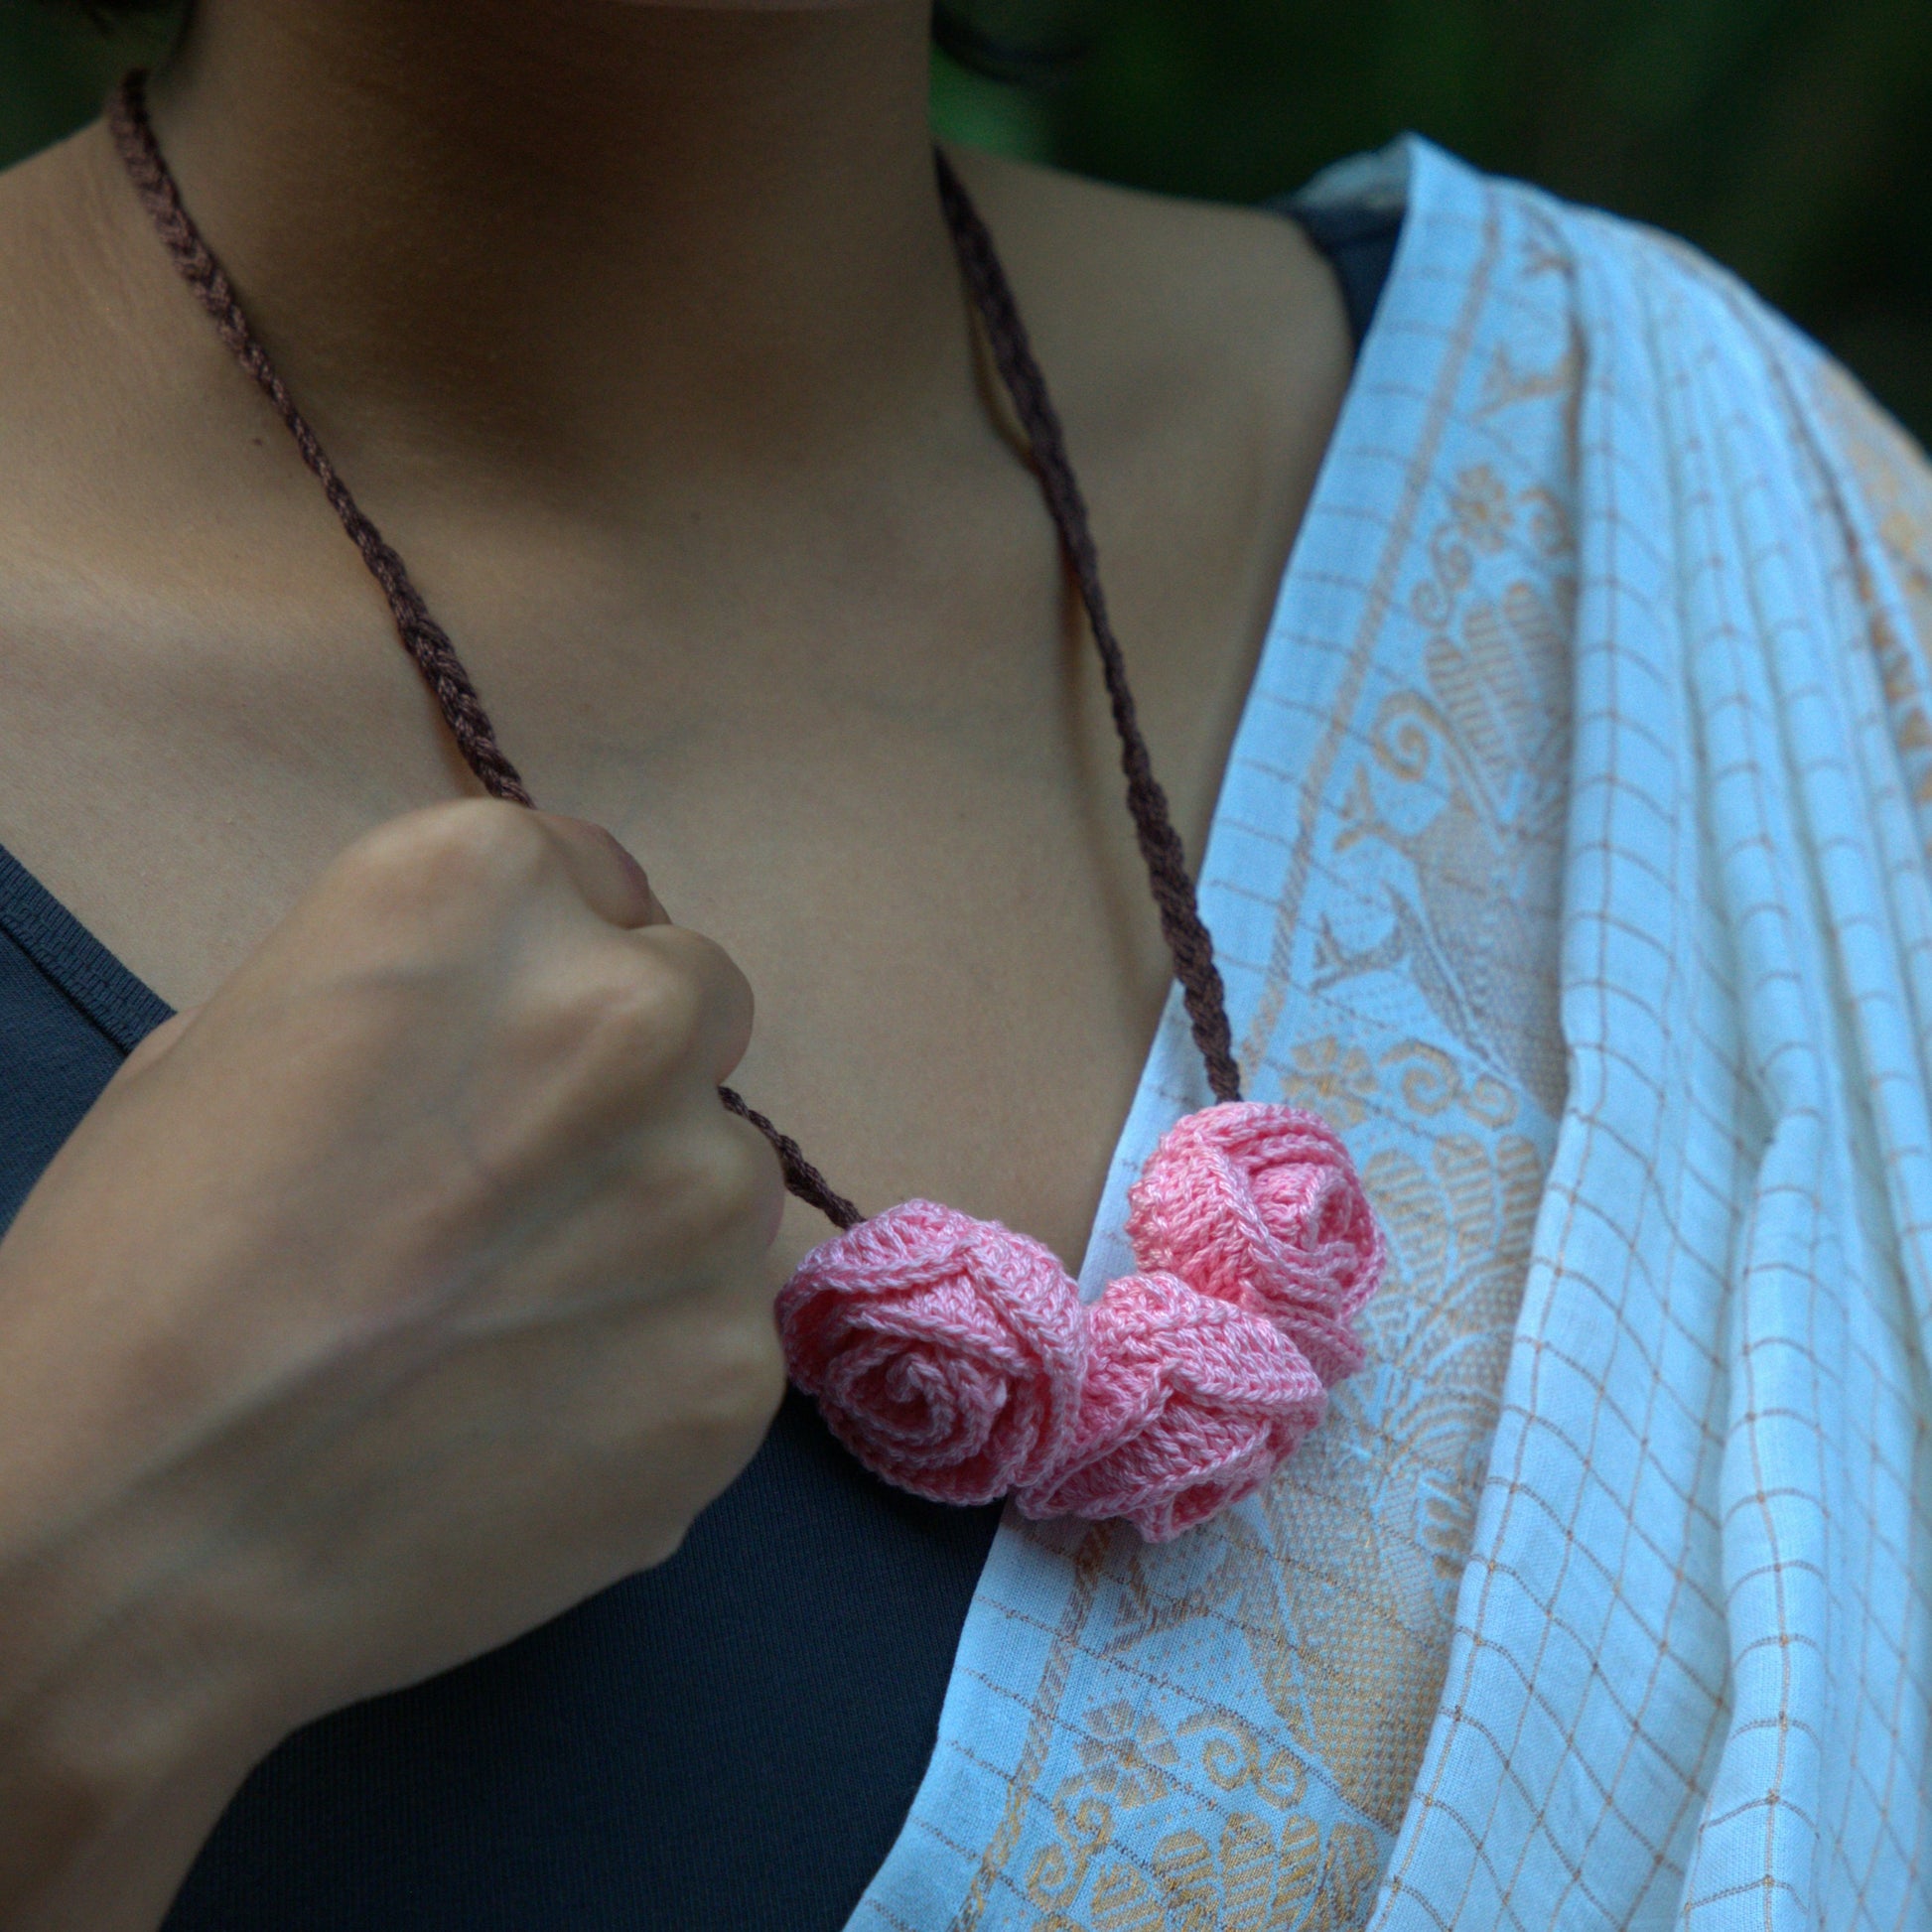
(1791, 138)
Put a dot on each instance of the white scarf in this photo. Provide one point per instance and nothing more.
(1574, 859)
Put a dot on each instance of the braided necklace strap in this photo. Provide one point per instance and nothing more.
(1161, 848)
(422, 636)
(435, 657)
(1185, 1386)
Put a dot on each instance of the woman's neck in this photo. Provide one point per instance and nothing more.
(542, 238)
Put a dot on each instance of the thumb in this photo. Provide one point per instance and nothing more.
(612, 883)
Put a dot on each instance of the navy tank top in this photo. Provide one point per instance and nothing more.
(731, 1739)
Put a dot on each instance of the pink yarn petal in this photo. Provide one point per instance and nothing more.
(1260, 1205)
(1190, 1404)
(946, 1354)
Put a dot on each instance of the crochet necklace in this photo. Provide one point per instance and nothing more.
(952, 1356)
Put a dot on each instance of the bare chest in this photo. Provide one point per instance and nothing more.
(861, 743)
(904, 820)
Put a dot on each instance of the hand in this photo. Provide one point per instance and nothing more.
(401, 1297)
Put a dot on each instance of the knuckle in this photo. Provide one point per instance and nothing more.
(705, 964)
(640, 1015)
(730, 1379)
(724, 1421)
(470, 849)
(722, 1191)
(742, 1380)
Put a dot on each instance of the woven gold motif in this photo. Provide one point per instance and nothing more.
(1338, 1589)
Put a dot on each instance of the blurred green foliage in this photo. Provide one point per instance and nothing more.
(56, 65)
(1791, 138)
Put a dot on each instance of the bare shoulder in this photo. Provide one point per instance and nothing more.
(102, 374)
(139, 571)
(54, 311)
(75, 324)
(1199, 355)
(71, 428)
(1151, 299)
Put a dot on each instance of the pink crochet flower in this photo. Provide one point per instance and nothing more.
(1260, 1205)
(1189, 1405)
(946, 1354)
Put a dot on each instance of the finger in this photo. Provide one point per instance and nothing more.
(724, 1012)
(614, 884)
(771, 1175)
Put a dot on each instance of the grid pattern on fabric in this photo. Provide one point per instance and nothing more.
(1226, 1733)
(1690, 1675)
(1652, 1354)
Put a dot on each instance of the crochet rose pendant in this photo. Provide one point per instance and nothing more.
(955, 1359)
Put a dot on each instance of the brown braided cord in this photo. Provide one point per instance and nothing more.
(435, 657)
(802, 1181)
(422, 636)
(426, 641)
(1166, 862)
